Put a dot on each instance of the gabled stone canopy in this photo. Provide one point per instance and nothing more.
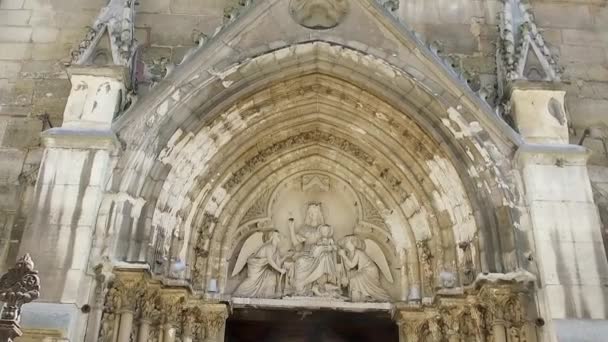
(266, 99)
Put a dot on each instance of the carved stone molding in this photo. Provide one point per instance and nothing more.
(317, 136)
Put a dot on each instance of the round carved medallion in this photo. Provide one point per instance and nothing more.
(318, 14)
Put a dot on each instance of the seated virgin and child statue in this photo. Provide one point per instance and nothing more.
(315, 267)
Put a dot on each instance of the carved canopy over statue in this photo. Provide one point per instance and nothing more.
(315, 266)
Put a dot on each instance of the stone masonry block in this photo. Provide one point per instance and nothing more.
(50, 51)
(15, 34)
(15, 51)
(562, 15)
(210, 7)
(44, 34)
(21, 133)
(43, 69)
(14, 17)
(12, 162)
(64, 5)
(582, 54)
(584, 37)
(172, 30)
(9, 69)
(11, 4)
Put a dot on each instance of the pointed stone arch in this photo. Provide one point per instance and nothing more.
(445, 155)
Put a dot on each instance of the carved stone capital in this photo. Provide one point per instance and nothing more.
(213, 318)
(124, 294)
(495, 300)
(148, 305)
(172, 307)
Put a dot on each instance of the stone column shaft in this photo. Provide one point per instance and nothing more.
(126, 326)
(499, 331)
(169, 333)
(144, 331)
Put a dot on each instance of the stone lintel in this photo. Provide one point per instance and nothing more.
(116, 72)
(310, 303)
(552, 154)
(72, 138)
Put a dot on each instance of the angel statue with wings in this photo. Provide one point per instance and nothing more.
(263, 267)
(363, 272)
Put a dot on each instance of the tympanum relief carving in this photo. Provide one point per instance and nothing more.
(311, 253)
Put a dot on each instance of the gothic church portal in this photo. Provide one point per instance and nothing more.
(314, 170)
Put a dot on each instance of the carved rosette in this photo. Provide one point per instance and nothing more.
(426, 262)
(318, 14)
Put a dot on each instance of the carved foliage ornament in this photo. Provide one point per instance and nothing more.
(20, 285)
(306, 137)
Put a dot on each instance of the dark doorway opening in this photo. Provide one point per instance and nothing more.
(258, 325)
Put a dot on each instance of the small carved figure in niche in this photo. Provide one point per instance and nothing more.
(448, 279)
(468, 268)
(263, 269)
(426, 259)
(363, 273)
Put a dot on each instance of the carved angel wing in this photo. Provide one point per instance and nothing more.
(251, 245)
(375, 253)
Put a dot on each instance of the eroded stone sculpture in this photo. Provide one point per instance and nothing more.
(263, 268)
(20, 285)
(315, 266)
(362, 272)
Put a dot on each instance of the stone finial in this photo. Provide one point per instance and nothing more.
(20, 285)
(522, 53)
(117, 20)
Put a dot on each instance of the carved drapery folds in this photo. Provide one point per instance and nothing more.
(138, 308)
(319, 265)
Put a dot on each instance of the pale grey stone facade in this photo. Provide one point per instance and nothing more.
(444, 139)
